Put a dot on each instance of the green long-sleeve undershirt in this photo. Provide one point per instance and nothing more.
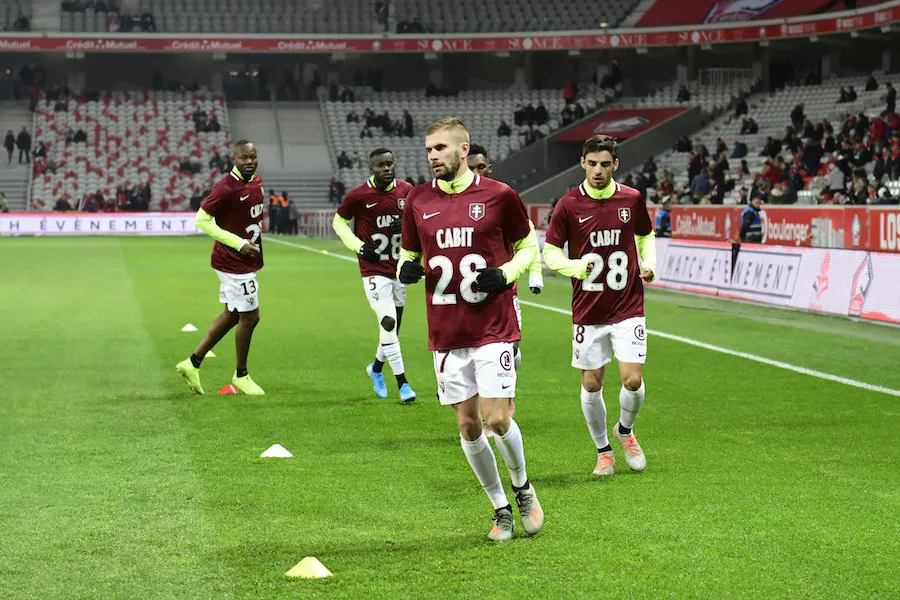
(207, 225)
(342, 229)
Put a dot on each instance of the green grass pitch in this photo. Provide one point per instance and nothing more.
(116, 482)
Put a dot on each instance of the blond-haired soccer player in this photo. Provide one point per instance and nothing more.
(606, 226)
(475, 238)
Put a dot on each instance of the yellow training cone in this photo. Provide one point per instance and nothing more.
(309, 568)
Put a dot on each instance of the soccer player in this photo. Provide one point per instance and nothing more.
(480, 164)
(476, 240)
(376, 207)
(606, 224)
(237, 204)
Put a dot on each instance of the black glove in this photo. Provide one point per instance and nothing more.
(369, 254)
(395, 227)
(490, 279)
(411, 272)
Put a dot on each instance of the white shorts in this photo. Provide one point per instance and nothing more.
(239, 292)
(593, 346)
(486, 370)
(518, 308)
(379, 289)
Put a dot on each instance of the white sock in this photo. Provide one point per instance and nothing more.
(517, 359)
(379, 354)
(394, 357)
(481, 459)
(594, 410)
(513, 451)
(630, 405)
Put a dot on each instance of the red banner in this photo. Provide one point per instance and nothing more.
(666, 13)
(855, 227)
(621, 123)
(613, 38)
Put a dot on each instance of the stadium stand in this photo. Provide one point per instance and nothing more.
(710, 98)
(481, 110)
(225, 16)
(773, 114)
(129, 139)
(15, 15)
(519, 15)
(339, 16)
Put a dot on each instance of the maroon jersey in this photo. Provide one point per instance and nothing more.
(237, 206)
(605, 230)
(374, 211)
(458, 234)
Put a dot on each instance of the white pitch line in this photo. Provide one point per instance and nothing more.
(677, 338)
(760, 359)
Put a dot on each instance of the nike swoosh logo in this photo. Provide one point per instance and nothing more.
(244, 197)
(583, 219)
(427, 216)
(642, 355)
(506, 387)
(371, 205)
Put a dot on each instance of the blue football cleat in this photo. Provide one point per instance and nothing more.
(377, 382)
(407, 394)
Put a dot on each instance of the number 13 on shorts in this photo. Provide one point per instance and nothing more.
(593, 346)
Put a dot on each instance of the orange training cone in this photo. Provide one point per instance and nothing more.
(229, 389)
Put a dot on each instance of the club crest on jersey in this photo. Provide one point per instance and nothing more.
(401, 202)
(624, 214)
(476, 211)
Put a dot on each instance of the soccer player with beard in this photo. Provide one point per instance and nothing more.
(475, 239)
(480, 164)
(376, 207)
(606, 225)
(236, 203)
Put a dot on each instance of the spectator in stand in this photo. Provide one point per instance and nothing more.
(739, 150)
(772, 148)
(721, 146)
(519, 115)
(567, 116)
(829, 145)
(743, 196)
(503, 130)
(62, 205)
(891, 97)
(871, 83)
(407, 124)
(23, 143)
(684, 145)
(851, 94)
(797, 116)
(10, 144)
(578, 111)
(751, 222)
(882, 165)
(355, 160)
(213, 125)
(664, 220)
(740, 107)
(80, 137)
(749, 126)
(684, 95)
(701, 188)
(613, 78)
(541, 116)
(343, 161)
(4, 205)
(836, 179)
(843, 96)
(41, 151)
(569, 92)
(335, 193)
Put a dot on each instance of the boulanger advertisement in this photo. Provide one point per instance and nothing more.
(853, 283)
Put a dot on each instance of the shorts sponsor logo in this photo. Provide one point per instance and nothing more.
(506, 360)
(577, 353)
(640, 333)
